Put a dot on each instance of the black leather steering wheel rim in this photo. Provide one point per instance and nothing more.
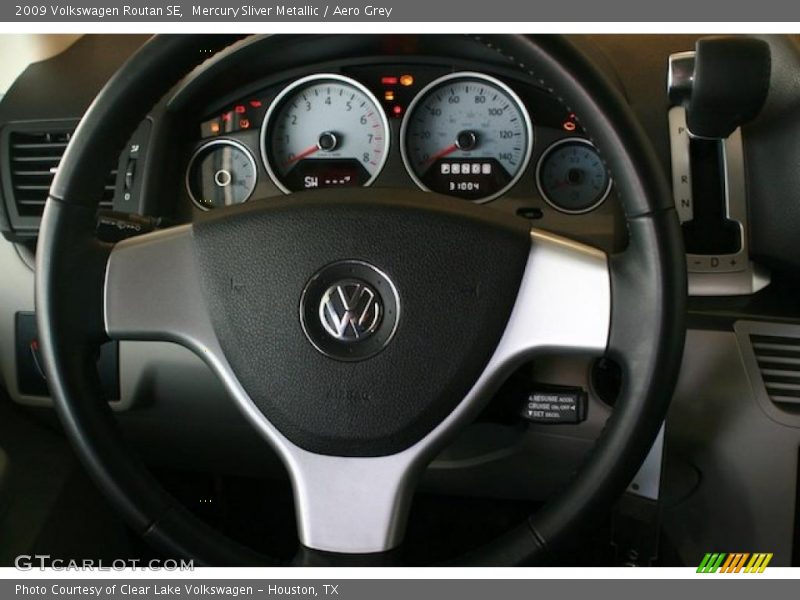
(648, 282)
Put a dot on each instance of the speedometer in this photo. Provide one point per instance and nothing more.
(467, 135)
(324, 131)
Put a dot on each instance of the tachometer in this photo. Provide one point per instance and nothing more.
(324, 131)
(467, 135)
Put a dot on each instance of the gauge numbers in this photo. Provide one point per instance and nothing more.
(324, 131)
(467, 135)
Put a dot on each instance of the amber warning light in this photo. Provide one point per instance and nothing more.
(390, 94)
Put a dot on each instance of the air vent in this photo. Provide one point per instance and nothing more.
(33, 159)
(778, 359)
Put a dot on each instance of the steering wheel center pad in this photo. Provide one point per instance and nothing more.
(456, 268)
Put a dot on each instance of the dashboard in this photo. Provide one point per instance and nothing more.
(465, 134)
(465, 129)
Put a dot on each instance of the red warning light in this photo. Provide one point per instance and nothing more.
(244, 123)
(255, 103)
(568, 126)
(397, 110)
(226, 116)
(389, 80)
(240, 109)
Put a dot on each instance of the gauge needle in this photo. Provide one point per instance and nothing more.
(442, 153)
(307, 152)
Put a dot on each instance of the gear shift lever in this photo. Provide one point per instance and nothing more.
(722, 84)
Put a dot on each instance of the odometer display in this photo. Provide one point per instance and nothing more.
(324, 131)
(467, 135)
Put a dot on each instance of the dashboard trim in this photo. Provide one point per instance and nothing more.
(725, 274)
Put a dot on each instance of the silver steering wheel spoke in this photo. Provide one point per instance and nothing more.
(359, 504)
(153, 291)
(564, 302)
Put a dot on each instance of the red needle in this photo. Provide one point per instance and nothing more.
(441, 153)
(307, 152)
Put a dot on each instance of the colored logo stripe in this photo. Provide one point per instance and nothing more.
(711, 562)
(758, 563)
(734, 563)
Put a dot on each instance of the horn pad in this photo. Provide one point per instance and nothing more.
(349, 310)
(357, 319)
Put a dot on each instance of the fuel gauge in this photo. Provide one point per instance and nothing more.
(572, 177)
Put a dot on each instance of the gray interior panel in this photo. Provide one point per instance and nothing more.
(731, 469)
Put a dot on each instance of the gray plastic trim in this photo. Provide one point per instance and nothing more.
(647, 482)
(731, 471)
(680, 76)
(352, 504)
(724, 274)
(744, 329)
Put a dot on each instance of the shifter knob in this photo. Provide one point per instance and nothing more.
(722, 84)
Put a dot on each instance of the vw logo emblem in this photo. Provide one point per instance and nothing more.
(350, 310)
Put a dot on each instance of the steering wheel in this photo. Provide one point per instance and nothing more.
(439, 300)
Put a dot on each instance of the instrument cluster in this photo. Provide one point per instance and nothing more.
(462, 133)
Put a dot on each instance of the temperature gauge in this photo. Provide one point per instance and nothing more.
(221, 173)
